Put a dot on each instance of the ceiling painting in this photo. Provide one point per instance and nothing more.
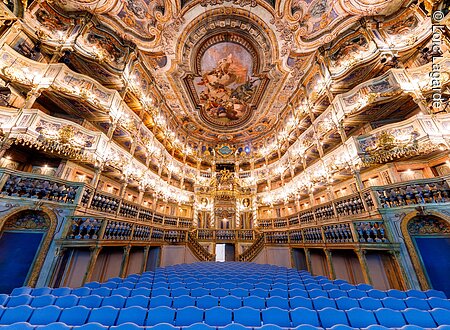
(227, 85)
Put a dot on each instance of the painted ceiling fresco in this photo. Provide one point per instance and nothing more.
(226, 86)
(239, 73)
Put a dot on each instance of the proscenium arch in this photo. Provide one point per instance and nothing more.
(415, 259)
(45, 245)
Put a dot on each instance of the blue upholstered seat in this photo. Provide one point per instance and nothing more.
(18, 326)
(135, 315)
(19, 300)
(441, 316)
(92, 301)
(206, 302)
(390, 318)
(360, 318)
(302, 315)
(393, 303)
(247, 316)
(20, 291)
(330, 316)
(141, 301)
(162, 314)
(45, 315)
(183, 301)
(346, 303)
(189, 315)
(44, 300)
(76, 315)
(231, 302)
(419, 317)
(218, 316)
(104, 315)
(275, 315)
(16, 314)
(280, 302)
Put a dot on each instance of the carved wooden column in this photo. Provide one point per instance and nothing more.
(395, 256)
(125, 259)
(144, 263)
(95, 251)
(361, 254)
(330, 264)
(308, 260)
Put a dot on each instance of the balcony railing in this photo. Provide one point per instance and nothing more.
(360, 205)
(348, 232)
(224, 234)
(84, 228)
(31, 186)
(36, 186)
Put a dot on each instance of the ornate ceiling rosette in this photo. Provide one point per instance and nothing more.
(226, 73)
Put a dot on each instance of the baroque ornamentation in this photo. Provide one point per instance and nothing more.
(28, 220)
(423, 225)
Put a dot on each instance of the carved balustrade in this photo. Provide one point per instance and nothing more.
(340, 233)
(128, 210)
(324, 212)
(141, 233)
(349, 205)
(175, 236)
(280, 223)
(312, 235)
(105, 202)
(245, 235)
(295, 236)
(118, 230)
(84, 228)
(277, 237)
(293, 221)
(422, 191)
(371, 232)
(42, 187)
(306, 217)
(224, 234)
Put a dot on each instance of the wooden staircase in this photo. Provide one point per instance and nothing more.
(253, 250)
(197, 249)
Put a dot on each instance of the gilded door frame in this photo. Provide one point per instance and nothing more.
(411, 247)
(36, 267)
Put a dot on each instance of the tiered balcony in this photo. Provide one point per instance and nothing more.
(83, 198)
(99, 216)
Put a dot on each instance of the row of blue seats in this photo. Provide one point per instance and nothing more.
(221, 292)
(208, 301)
(220, 316)
(228, 285)
(177, 281)
(196, 326)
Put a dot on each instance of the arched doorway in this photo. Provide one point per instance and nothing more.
(21, 239)
(430, 248)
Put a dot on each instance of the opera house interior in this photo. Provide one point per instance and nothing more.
(299, 143)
